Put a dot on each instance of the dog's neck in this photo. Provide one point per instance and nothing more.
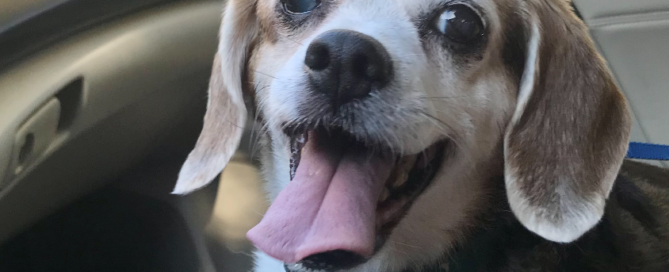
(477, 248)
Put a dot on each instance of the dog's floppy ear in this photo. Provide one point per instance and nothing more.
(569, 133)
(226, 113)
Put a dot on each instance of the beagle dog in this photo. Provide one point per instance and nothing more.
(431, 135)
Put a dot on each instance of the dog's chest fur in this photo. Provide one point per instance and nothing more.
(632, 236)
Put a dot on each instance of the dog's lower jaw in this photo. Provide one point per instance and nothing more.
(389, 260)
(265, 263)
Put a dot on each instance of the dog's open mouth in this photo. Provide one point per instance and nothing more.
(343, 201)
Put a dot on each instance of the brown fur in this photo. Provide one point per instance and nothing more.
(573, 133)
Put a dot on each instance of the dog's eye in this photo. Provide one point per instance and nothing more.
(300, 6)
(460, 24)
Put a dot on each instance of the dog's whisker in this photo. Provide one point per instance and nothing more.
(407, 245)
(397, 140)
(439, 98)
(448, 130)
(263, 129)
(256, 212)
(252, 140)
(293, 40)
(253, 130)
(394, 248)
(406, 58)
(264, 74)
(443, 126)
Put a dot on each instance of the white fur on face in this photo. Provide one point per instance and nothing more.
(426, 102)
(406, 97)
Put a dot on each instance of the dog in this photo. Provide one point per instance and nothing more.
(432, 135)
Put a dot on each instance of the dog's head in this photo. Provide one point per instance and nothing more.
(383, 120)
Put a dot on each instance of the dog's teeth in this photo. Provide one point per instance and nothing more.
(384, 196)
(403, 169)
(401, 179)
(296, 145)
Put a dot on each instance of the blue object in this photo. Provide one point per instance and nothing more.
(646, 151)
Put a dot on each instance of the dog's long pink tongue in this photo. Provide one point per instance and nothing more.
(329, 205)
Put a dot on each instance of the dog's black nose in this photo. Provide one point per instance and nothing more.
(346, 65)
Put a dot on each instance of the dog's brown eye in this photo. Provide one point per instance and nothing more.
(460, 24)
(300, 6)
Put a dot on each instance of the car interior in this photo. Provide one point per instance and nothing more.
(101, 102)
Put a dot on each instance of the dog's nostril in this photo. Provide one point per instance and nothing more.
(318, 57)
(332, 261)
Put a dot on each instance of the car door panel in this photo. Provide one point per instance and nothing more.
(117, 93)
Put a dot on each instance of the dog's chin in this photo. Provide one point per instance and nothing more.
(408, 179)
